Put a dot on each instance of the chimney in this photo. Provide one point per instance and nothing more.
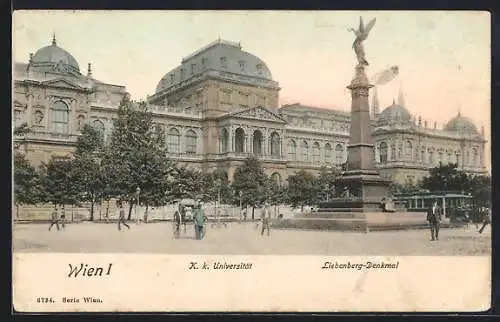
(89, 70)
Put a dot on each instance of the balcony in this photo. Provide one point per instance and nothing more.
(63, 138)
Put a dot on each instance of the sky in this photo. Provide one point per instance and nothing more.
(443, 56)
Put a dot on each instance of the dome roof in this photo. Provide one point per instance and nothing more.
(54, 58)
(394, 114)
(220, 55)
(461, 124)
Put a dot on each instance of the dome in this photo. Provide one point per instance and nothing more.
(220, 55)
(394, 114)
(461, 124)
(54, 58)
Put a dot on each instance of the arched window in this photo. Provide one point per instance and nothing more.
(408, 150)
(467, 158)
(457, 158)
(383, 152)
(257, 142)
(328, 153)
(239, 140)
(292, 150)
(449, 158)
(191, 142)
(275, 177)
(60, 119)
(173, 141)
(339, 154)
(99, 128)
(316, 152)
(275, 144)
(440, 156)
(224, 141)
(431, 157)
(305, 151)
(393, 152)
(474, 156)
(422, 156)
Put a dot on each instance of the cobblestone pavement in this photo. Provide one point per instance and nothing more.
(245, 238)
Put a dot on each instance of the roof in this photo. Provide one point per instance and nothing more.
(394, 114)
(53, 57)
(220, 55)
(461, 124)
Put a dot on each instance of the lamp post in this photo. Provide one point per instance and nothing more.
(138, 192)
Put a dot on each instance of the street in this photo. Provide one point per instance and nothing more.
(244, 238)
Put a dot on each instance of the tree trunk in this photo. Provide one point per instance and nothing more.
(146, 214)
(131, 205)
(92, 209)
(253, 212)
(17, 210)
(107, 209)
(100, 209)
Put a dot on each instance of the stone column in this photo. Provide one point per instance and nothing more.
(265, 149)
(71, 117)
(29, 109)
(230, 144)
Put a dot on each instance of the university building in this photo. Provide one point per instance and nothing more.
(220, 105)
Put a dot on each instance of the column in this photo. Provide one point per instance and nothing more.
(444, 206)
(265, 149)
(47, 114)
(29, 109)
(230, 146)
(72, 118)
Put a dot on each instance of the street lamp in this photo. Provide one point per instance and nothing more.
(138, 192)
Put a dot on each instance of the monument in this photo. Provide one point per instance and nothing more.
(365, 203)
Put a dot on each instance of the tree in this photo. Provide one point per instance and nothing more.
(216, 184)
(446, 178)
(88, 175)
(481, 190)
(58, 183)
(137, 157)
(250, 179)
(302, 189)
(325, 183)
(26, 182)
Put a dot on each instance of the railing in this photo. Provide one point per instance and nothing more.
(49, 136)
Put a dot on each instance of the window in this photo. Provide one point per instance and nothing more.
(193, 68)
(239, 140)
(408, 150)
(467, 158)
(383, 152)
(316, 152)
(328, 153)
(182, 73)
(257, 142)
(431, 157)
(440, 155)
(292, 150)
(450, 160)
(242, 65)
(191, 142)
(224, 141)
(305, 151)
(275, 144)
(422, 155)
(457, 158)
(60, 120)
(223, 62)
(259, 68)
(474, 156)
(172, 78)
(204, 62)
(393, 152)
(99, 128)
(339, 154)
(173, 141)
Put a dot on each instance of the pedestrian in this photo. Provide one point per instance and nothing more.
(199, 221)
(266, 218)
(54, 220)
(121, 217)
(486, 214)
(63, 218)
(177, 221)
(434, 219)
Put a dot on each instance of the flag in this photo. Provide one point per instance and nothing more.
(386, 75)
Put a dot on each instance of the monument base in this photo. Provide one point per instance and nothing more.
(356, 221)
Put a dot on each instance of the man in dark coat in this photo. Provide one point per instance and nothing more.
(486, 215)
(199, 221)
(434, 219)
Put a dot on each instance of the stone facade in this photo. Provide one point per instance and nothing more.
(222, 105)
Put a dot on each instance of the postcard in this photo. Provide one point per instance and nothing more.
(251, 161)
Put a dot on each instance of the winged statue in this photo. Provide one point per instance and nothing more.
(361, 35)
